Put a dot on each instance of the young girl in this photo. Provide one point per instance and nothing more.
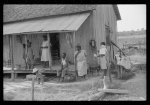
(103, 54)
(30, 56)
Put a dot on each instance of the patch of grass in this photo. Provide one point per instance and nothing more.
(9, 96)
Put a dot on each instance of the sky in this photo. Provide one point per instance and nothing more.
(133, 17)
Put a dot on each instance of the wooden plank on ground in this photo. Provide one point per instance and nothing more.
(117, 91)
(96, 97)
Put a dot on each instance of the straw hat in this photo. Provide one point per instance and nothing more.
(35, 70)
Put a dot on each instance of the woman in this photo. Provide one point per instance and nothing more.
(104, 60)
(80, 61)
(45, 53)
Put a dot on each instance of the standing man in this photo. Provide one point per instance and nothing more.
(80, 59)
(45, 53)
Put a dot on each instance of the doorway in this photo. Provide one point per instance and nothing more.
(55, 48)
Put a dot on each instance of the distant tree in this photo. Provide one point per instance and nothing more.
(142, 29)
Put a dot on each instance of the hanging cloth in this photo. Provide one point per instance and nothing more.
(69, 39)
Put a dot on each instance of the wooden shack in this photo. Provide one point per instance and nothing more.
(65, 25)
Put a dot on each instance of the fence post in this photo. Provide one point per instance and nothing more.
(33, 87)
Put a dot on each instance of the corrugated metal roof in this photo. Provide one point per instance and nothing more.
(59, 23)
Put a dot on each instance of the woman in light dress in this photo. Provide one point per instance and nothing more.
(80, 61)
(45, 53)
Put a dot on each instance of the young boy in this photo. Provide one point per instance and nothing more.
(39, 76)
(103, 54)
(64, 66)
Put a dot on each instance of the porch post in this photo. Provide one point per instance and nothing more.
(26, 50)
(110, 59)
(12, 57)
(74, 53)
(49, 50)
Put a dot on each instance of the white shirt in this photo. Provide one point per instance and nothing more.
(102, 50)
(63, 61)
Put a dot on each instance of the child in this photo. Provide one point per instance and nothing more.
(102, 53)
(30, 55)
(39, 75)
(24, 55)
(119, 59)
(64, 66)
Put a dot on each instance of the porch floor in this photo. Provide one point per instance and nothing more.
(53, 69)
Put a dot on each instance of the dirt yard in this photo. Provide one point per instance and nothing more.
(80, 90)
(53, 90)
(75, 91)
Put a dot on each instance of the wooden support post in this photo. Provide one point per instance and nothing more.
(33, 78)
(50, 60)
(109, 70)
(26, 51)
(12, 58)
(74, 53)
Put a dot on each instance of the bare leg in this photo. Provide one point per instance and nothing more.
(118, 71)
(104, 79)
(121, 69)
(38, 80)
(47, 63)
(25, 64)
(44, 64)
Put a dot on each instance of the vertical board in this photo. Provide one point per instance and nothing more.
(99, 22)
(6, 50)
(113, 26)
(36, 40)
(18, 52)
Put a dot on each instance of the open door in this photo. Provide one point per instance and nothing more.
(55, 48)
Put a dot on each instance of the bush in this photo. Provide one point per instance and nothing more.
(127, 74)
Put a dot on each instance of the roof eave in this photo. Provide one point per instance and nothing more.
(117, 12)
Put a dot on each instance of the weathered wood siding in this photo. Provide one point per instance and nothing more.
(65, 46)
(18, 52)
(36, 40)
(6, 50)
(99, 25)
(112, 20)
(83, 37)
(105, 15)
